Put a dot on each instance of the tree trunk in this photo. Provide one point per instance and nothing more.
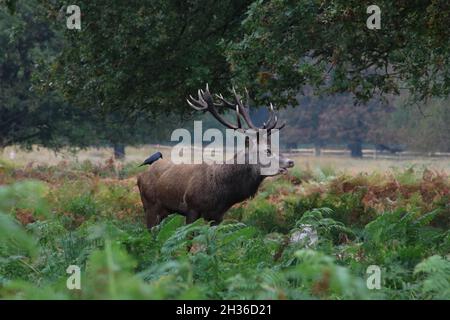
(317, 150)
(2, 146)
(356, 149)
(119, 151)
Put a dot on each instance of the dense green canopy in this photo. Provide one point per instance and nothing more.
(288, 44)
(26, 42)
(144, 55)
(32, 108)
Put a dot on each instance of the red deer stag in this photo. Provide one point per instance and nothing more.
(204, 190)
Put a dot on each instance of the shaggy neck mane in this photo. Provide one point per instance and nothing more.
(245, 177)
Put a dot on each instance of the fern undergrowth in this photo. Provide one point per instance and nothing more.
(297, 239)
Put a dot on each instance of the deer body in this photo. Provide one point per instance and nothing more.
(195, 190)
(205, 190)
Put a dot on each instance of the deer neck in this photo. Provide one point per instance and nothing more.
(237, 182)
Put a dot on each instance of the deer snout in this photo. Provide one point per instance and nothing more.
(286, 163)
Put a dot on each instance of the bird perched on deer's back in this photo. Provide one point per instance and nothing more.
(152, 158)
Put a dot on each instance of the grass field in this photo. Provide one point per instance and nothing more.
(311, 234)
(138, 154)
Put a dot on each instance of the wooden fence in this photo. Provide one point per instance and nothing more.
(345, 153)
(368, 153)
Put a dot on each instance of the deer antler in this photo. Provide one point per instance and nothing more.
(205, 102)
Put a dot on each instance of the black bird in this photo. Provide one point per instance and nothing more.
(152, 158)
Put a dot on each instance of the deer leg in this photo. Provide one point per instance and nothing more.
(163, 213)
(154, 213)
(192, 216)
(215, 218)
(151, 217)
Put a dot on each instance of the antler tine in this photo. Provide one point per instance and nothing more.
(224, 103)
(237, 97)
(199, 104)
(221, 119)
(247, 97)
(244, 111)
(281, 126)
(272, 123)
(235, 106)
(200, 95)
(193, 106)
(206, 103)
(269, 124)
(234, 90)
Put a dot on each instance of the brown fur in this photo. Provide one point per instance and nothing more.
(195, 190)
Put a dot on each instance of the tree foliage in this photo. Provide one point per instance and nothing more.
(146, 55)
(124, 76)
(32, 109)
(425, 129)
(334, 119)
(326, 43)
(26, 40)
